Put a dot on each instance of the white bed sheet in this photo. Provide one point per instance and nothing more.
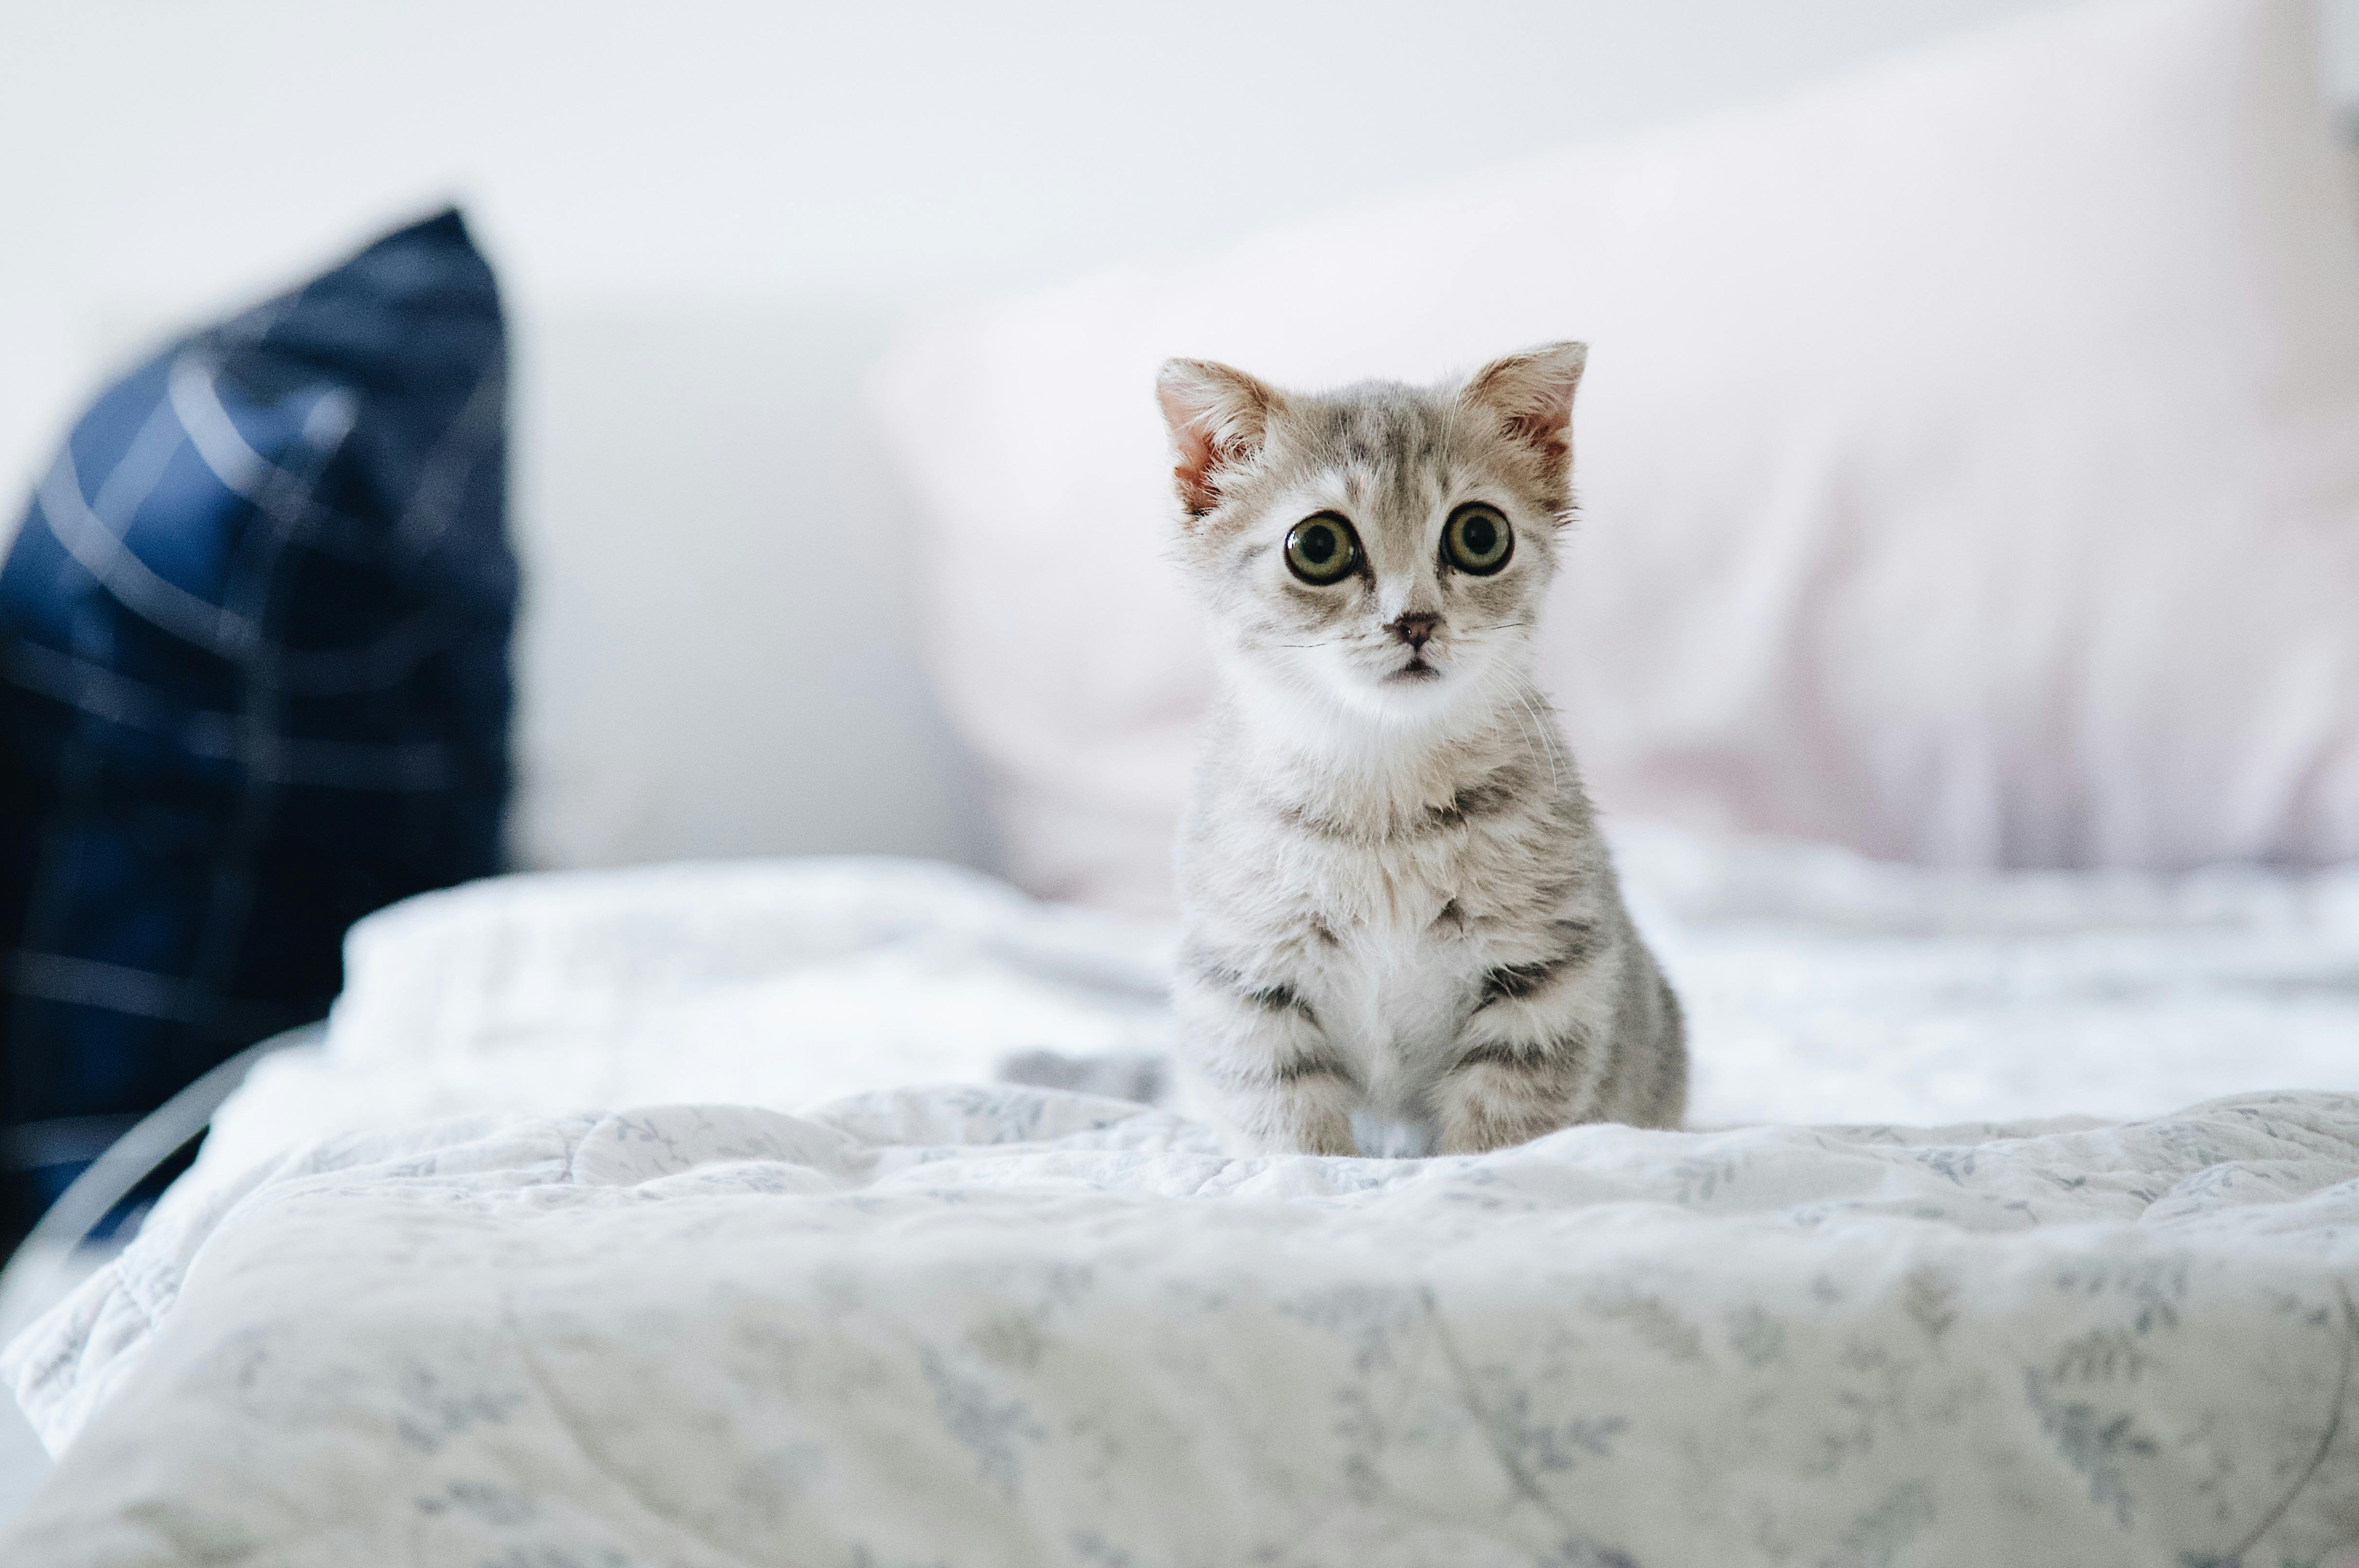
(986, 1324)
(1821, 986)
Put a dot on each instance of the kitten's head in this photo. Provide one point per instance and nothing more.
(1384, 548)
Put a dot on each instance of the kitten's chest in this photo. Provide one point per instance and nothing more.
(1389, 996)
(1393, 900)
(1396, 958)
(1408, 893)
(1384, 916)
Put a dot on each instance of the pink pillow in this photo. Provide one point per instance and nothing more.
(1969, 463)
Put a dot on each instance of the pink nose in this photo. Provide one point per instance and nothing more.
(1414, 630)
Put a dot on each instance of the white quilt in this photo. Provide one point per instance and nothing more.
(1012, 1327)
(992, 1324)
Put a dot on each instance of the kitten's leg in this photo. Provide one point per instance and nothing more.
(1655, 1091)
(1496, 1098)
(1542, 1050)
(1258, 1065)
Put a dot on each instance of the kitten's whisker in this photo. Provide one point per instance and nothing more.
(1524, 726)
(1523, 722)
(1548, 745)
(1547, 741)
(1551, 734)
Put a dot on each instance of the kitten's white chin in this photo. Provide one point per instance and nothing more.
(1322, 693)
(1401, 694)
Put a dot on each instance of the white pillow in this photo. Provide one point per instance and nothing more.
(1969, 460)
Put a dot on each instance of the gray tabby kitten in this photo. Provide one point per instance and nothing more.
(1403, 934)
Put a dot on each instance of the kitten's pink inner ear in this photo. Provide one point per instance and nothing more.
(1531, 394)
(1219, 417)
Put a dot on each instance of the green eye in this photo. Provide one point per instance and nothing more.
(1477, 538)
(1323, 549)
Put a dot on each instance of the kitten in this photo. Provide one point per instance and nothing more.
(1403, 933)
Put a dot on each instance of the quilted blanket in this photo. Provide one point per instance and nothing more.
(1001, 1326)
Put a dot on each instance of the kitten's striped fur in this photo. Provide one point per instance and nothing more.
(1403, 933)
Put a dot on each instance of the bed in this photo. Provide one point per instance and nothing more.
(814, 1282)
(1958, 644)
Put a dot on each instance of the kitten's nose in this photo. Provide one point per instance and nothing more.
(1414, 630)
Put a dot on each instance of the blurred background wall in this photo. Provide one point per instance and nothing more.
(709, 215)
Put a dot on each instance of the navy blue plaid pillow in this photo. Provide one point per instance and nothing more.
(254, 684)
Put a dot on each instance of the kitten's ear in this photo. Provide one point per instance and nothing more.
(1219, 417)
(1531, 393)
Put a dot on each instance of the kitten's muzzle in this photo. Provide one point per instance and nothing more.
(1415, 630)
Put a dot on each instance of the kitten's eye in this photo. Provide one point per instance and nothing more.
(1477, 538)
(1323, 547)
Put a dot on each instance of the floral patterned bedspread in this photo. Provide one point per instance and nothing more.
(1014, 1326)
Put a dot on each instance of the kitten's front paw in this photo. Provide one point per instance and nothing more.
(1481, 1134)
(1322, 1134)
(1325, 1134)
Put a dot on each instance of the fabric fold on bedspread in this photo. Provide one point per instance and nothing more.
(1001, 1326)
